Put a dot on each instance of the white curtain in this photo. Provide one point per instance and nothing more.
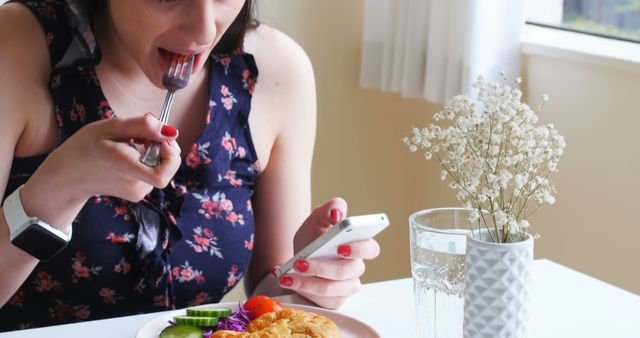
(436, 48)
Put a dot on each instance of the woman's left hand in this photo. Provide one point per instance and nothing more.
(328, 282)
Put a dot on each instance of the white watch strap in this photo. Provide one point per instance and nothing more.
(18, 220)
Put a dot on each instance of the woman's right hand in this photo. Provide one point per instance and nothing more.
(99, 159)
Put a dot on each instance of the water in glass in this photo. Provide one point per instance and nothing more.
(438, 239)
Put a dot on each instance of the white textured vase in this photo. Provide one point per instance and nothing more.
(497, 288)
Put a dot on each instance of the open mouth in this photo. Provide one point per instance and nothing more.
(165, 56)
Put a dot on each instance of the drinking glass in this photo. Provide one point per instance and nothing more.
(438, 240)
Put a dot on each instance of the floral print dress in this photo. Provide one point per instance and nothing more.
(201, 225)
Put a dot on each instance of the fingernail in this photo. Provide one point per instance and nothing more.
(286, 281)
(274, 269)
(168, 130)
(344, 250)
(301, 265)
(336, 216)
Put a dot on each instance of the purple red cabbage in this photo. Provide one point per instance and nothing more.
(238, 321)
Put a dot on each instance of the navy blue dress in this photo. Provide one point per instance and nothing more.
(201, 225)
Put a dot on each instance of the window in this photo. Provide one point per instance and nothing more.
(617, 19)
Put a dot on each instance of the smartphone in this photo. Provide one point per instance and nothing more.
(350, 229)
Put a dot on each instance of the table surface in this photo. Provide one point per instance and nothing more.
(565, 303)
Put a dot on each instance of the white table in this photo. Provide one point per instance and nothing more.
(565, 303)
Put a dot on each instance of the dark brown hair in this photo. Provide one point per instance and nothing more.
(229, 42)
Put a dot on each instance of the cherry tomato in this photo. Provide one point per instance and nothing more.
(259, 305)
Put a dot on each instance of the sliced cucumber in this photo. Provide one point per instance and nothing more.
(196, 321)
(209, 312)
(181, 331)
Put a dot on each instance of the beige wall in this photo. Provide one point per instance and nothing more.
(359, 155)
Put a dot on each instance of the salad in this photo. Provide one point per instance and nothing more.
(202, 322)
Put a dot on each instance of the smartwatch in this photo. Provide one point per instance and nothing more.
(30, 234)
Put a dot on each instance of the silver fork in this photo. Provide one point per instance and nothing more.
(176, 77)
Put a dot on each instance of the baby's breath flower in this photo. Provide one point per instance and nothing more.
(493, 154)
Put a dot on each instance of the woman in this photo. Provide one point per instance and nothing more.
(230, 198)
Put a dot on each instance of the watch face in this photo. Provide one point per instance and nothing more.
(39, 242)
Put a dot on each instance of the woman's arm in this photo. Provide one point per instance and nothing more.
(97, 159)
(285, 105)
(24, 71)
(281, 203)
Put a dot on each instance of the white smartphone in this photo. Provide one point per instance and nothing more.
(350, 229)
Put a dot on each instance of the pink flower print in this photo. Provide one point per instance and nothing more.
(235, 218)
(249, 244)
(186, 273)
(255, 167)
(198, 154)
(241, 152)
(231, 176)
(233, 278)
(249, 206)
(227, 102)
(113, 238)
(123, 211)
(226, 204)
(44, 282)
(17, 299)
(64, 312)
(122, 267)
(248, 82)
(108, 296)
(99, 199)
(201, 298)
(80, 270)
(82, 313)
(211, 206)
(104, 110)
(229, 144)
(193, 160)
(227, 98)
(204, 240)
(224, 90)
(207, 232)
(78, 113)
(225, 60)
(181, 190)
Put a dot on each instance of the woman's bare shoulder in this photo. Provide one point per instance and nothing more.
(23, 40)
(24, 69)
(279, 58)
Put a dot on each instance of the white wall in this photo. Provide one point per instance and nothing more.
(593, 227)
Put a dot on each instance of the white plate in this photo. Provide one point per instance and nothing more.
(349, 326)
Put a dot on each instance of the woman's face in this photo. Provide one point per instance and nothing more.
(147, 29)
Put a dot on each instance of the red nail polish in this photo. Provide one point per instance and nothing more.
(273, 270)
(286, 281)
(344, 250)
(302, 265)
(336, 216)
(168, 130)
